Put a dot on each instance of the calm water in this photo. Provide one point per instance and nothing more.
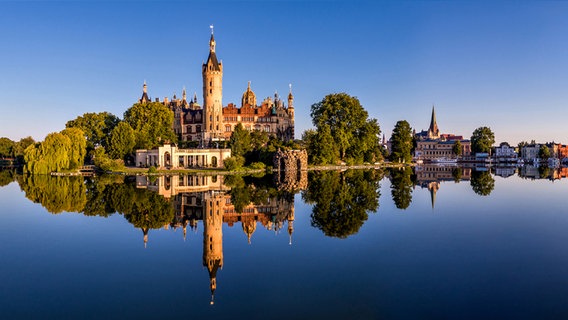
(438, 243)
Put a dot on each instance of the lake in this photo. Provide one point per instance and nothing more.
(431, 243)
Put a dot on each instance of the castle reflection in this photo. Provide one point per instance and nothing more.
(173, 202)
(218, 200)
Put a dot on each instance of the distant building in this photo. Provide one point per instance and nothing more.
(505, 153)
(433, 132)
(431, 144)
(530, 152)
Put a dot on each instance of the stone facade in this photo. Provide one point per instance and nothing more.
(291, 170)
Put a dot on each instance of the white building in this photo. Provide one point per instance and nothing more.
(169, 156)
(530, 152)
(505, 152)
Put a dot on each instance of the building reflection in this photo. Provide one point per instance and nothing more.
(431, 176)
(211, 200)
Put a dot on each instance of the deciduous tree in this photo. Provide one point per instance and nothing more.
(122, 141)
(96, 127)
(152, 123)
(482, 139)
(354, 135)
(401, 142)
(457, 148)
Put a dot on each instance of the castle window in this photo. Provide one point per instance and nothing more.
(227, 128)
(198, 129)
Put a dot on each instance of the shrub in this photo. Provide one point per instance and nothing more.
(258, 165)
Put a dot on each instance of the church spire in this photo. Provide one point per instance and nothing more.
(433, 131)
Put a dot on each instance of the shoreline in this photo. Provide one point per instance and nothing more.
(136, 171)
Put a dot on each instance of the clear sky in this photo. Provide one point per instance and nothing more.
(502, 64)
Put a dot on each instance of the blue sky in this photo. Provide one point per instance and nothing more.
(502, 64)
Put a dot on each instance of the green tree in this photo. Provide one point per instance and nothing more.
(544, 152)
(51, 155)
(77, 147)
(105, 163)
(401, 142)
(354, 135)
(152, 123)
(457, 148)
(21, 147)
(482, 182)
(122, 141)
(240, 141)
(7, 147)
(96, 127)
(482, 139)
(401, 187)
(322, 149)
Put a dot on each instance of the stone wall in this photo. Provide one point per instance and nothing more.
(291, 169)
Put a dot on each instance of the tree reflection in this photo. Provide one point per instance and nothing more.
(342, 200)
(247, 190)
(99, 195)
(401, 187)
(482, 182)
(55, 194)
(6, 177)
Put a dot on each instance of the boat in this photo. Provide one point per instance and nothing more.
(444, 160)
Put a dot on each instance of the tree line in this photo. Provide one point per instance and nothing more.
(343, 134)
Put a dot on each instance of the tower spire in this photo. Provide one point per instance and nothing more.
(212, 41)
(433, 131)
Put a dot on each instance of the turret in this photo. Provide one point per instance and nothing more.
(144, 98)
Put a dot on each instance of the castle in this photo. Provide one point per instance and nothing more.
(214, 122)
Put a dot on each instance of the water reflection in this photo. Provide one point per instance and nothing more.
(172, 202)
(342, 200)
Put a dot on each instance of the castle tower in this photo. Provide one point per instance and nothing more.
(212, 72)
(144, 98)
(213, 236)
(291, 112)
(433, 131)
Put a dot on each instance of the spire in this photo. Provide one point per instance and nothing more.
(212, 40)
(290, 98)
(212, 63)
(433, 187)
(433, 131)
(183, 94)
(145, 232)
(144, 98)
